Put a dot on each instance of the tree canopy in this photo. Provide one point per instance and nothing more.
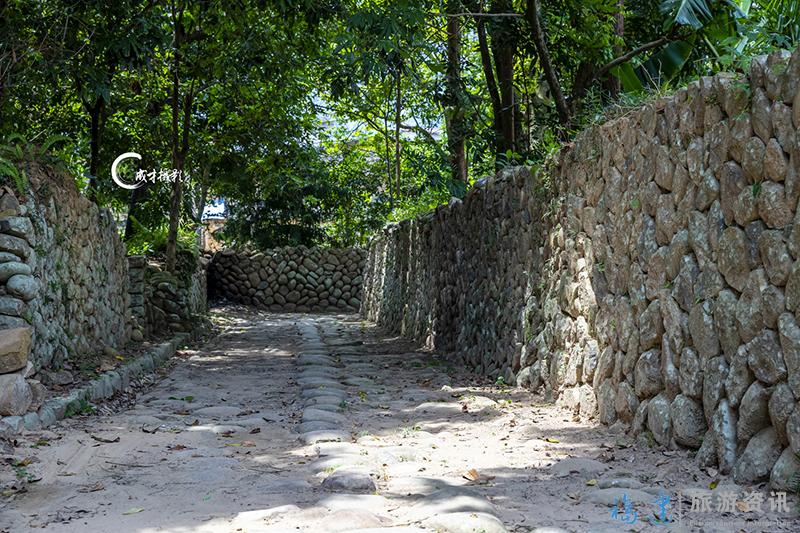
(318, 121)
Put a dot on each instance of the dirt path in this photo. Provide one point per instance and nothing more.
(318, 423)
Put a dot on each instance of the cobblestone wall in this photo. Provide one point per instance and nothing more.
(63, 284)
(661, 289)
(460, 278)
(290, 278)
(174, 303)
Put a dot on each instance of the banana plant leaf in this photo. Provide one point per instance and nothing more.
(658, 69)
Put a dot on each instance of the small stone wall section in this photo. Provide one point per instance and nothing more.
(666, 293)
(174, 303)
(136, 266)
(290, 279)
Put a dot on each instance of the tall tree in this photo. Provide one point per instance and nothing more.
(540, 40)
(454, 97)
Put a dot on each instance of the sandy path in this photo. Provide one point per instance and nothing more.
(318, 423)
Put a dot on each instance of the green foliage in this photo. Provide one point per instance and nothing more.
(693, 13)
(79, 407)
(316, 122)
(153, 241)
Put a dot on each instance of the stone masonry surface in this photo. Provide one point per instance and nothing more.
(68, 292)
(63, 287)
(290, 278)
(659, 290)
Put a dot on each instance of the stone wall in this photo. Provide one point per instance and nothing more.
(174, 303)
(68, 292)
(664, 295)
(63, 279)
(290, 278)
(459, 278)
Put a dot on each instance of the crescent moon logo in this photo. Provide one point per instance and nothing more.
(115, 177)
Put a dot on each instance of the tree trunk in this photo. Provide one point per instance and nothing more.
(540, 41)
(201, 205)
(397, 122)
(612, 82)
(491, 83)
(386, 143)
(503, 46)
(94, 144)
(177, 160)
(455, 95)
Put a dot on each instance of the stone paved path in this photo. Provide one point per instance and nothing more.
(318, 423)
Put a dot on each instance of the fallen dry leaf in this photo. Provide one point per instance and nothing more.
(552, 440)
(92, 488)
(471, 475)
(592, 482)
(104, 440)
(475, 477)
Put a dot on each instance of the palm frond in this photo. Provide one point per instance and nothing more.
(692, 13)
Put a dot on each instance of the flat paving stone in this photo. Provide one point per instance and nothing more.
(218, 411)
(465, 523)
(305, 427)
(453, 500)
(359, 382)
(314, 437)
(407, 486)
(319, 371)
(327, 391)
(347, 480)
(334, 399)
(361, 368)
(314, 359)
(311, 414)
(324, 449)
(372, 502)
(320, 382)
(352, 520)
(577, 465)
(333, 463)
(331, 408)
(216, 429)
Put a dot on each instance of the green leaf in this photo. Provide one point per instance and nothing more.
(687, 12)
(627, 76)
(666, 63)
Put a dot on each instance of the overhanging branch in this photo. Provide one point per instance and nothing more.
(630, 55)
